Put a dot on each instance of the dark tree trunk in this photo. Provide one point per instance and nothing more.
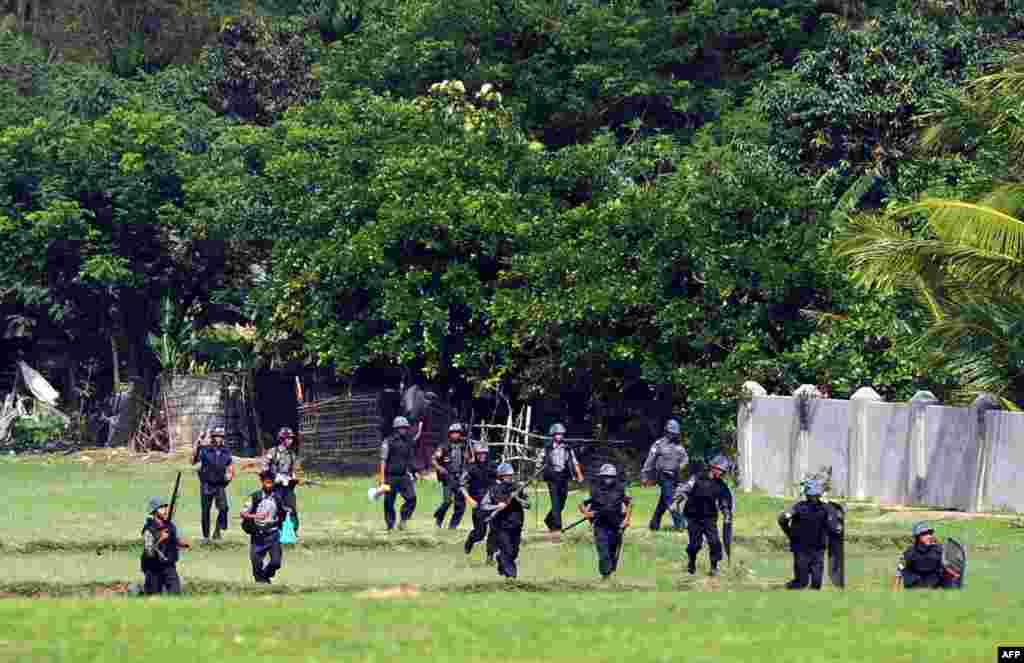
(132, 321)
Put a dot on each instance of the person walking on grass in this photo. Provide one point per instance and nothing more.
(282, 461)
(262, 521)
(449, 461)
(806, 525)
(706, 495)
(398, 470)
(506, 502)
(610, 511)
(478, 477)
(663, 466)
(560, 465)
(160, 546)
(216, 471)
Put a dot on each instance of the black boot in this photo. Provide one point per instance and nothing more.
(714, 569)
(691, 568)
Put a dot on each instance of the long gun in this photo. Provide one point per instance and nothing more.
(174, 498)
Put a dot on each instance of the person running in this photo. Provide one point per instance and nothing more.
(705, 496)
(449, 461)
(477, 479)
(216, 471)
(262, 521)
(398, 470)
(506, 502)
(610, 511)
(663, 466)
(560, 466)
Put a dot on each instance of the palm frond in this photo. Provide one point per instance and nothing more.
(1008, 81)
(973, 224)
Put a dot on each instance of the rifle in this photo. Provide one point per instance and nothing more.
(566, 529)
(174, 498)
(303, 482)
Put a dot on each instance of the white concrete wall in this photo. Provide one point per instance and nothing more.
(773, 427)
(887, 458)
(1005, 489)
(896, 453)
(950, 447)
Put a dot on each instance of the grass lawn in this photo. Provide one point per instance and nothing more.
(519, 626)
(61, 503)
(71, 540)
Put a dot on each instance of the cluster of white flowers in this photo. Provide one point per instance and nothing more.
(458, 89)
(488, 93)
(451, 88)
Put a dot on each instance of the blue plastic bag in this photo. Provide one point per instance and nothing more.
(288, 535)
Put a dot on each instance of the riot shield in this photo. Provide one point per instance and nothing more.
(836, 537)
(954, 564)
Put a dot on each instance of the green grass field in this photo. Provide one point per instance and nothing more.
(71, 541)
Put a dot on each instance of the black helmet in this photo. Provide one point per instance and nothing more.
(267, 475)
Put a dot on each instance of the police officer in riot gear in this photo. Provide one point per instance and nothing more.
(706, 495)
(610, 511)
(807, 524)
(477, 479)
(449, 461)
(505, 502)
(398, 469)
(923, 564)
(663, 465)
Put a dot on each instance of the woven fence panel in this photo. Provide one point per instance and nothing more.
(193, 404)
(341, 434)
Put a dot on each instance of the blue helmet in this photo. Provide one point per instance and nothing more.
(505, 469)
(672, 427)
(813, 488)
(154, 504)
(556, 429)
(922, 528)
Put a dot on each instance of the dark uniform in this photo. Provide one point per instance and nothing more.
(922, 568)
(663, 466)
(397, 452)
(608, 502)
(507, 524)
(265, 536)
(452, 457)
(559, 466)
(281, 460)
(159, 560)
(705, 497)
(214, 463)
(477, 479)
(807, 526)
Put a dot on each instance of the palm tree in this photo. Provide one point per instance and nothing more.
(966, 263)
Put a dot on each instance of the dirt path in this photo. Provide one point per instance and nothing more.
(912, 515)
